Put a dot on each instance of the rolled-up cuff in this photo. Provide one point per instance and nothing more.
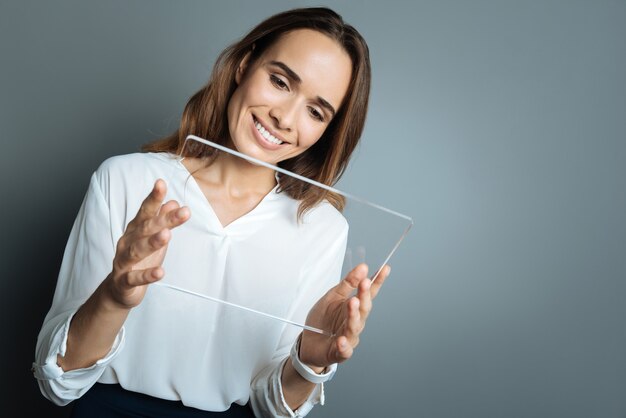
(60, 386)
(267, 398)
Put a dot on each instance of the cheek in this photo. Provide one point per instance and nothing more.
(257, 91)
(233, 117)
(310, 131)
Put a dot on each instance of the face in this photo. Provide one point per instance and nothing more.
(286, 98)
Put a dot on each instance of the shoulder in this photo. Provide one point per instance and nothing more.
(133, 173)
(127, 164)
(325, 218)
(136, 165)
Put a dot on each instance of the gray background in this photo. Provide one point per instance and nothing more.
(498, 126)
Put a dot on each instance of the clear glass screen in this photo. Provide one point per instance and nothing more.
(267, 264)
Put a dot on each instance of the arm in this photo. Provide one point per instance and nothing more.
(76, 335)
(279, 390)
(296, 389)
(137, 263)
(86, 260)
(342, 313)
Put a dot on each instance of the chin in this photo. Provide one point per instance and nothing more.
(252, 150)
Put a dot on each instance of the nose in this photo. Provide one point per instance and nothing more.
(284, 115)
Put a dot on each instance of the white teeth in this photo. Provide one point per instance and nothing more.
(271, 138)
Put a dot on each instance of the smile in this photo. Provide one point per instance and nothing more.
(265, 133)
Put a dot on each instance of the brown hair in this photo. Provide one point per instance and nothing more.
(205, 114)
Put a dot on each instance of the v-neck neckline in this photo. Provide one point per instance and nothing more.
(215, 222)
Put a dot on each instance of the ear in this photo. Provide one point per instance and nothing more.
(243, 65)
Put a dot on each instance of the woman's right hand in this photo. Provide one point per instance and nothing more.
(141, 250)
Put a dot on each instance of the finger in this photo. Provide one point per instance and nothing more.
(379, 280)
(142, 277)
(352, 280)
(141, 248)
(169, 216)
(365, 298)
(151, 204)
(168, 207)
(342, 350)
(354, 323)
(176, 217)
(345, 343)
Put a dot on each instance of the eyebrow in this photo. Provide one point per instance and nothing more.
(296, 78)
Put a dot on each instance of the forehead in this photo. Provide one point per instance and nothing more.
(322, 64)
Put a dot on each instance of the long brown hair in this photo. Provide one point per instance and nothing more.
(205, 114)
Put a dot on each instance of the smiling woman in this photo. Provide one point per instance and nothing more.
(325, 161)
(288, 94)
(292, 92)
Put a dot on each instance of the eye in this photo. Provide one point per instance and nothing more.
(278, 82)
(315, 114)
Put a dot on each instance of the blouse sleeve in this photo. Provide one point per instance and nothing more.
(86, 262)
(322, 273)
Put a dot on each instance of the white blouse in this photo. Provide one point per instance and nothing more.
(177, 346)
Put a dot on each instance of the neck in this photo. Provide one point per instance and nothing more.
(233, 175)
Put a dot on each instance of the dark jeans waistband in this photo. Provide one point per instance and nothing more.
(113, 401)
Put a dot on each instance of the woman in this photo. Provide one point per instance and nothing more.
(293, 92)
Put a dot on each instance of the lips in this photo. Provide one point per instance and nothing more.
(265, 133)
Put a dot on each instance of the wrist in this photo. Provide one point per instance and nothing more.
(312, 374)
(106, 298)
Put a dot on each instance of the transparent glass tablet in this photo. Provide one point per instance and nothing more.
(268, 266)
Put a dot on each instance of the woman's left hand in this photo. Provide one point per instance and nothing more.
(344, 315)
